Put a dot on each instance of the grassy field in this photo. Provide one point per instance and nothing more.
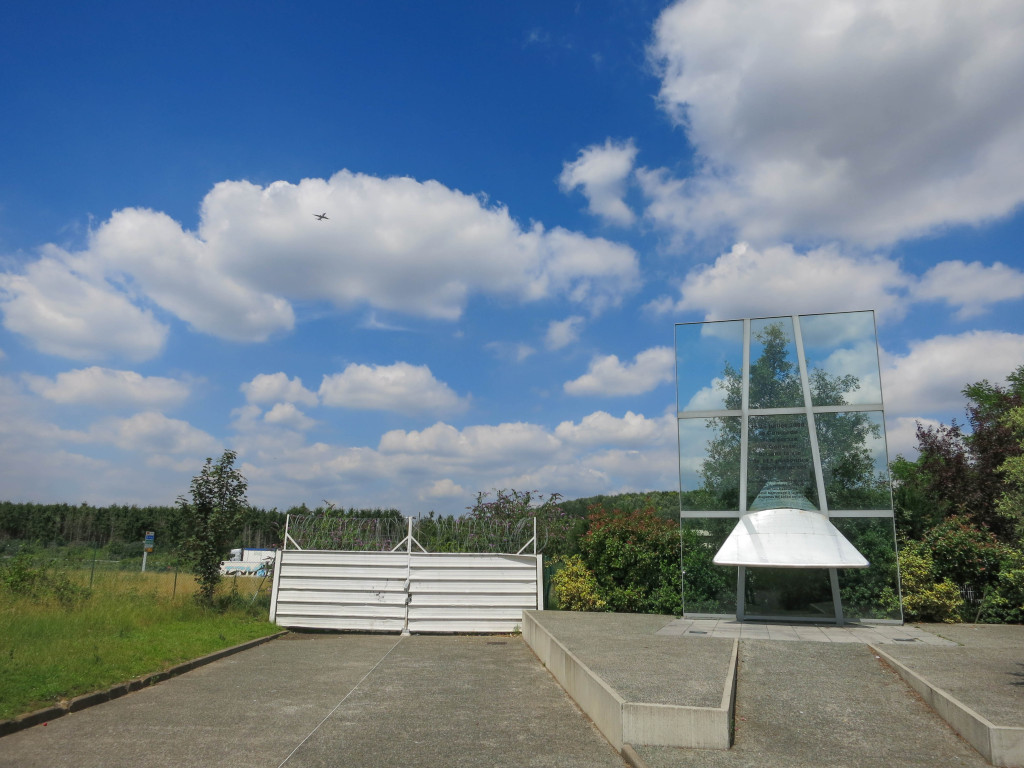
(61, 638)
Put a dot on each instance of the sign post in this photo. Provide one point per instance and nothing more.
(147, 547)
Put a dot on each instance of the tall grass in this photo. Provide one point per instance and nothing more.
(61, 638)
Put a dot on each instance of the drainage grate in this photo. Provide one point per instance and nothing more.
(905, 639)
(696, 632)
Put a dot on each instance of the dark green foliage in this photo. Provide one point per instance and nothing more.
(212, 519)
(870, 593)
(635, 557)
(557, 529)
(963, 553)
(706, 586)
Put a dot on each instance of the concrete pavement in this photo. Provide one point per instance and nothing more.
(309, 700)
(804, 696)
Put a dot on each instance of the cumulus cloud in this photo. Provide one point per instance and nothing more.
(866, 121)
(747, 282)
(287, 415)
(267, 388)
(67, 312)
(607, 375)
(108, 387)
(152, 432)
(971, 287)
(443, 489)
(401, 387)
(929, 379)
(602, 171)
(633, 429)
(562, 333)
(400, 245)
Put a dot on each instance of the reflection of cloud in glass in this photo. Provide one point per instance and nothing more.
(710, 398)
(860, 360)
(835, 329)
(724, 330)
(693, 437)
(702, 357)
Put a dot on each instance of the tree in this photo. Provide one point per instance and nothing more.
(779, 445)
(210, 519)
(970, 473)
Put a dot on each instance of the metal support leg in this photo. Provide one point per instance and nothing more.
(833, 576)
(741, 590)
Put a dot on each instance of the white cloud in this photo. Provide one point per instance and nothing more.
(443, 489)
(400, 387)
(418, 248)
(400, 245)
(152, 432)
(68, 313)
(287, 415)
(971, 287)
(868, 121)
(747, 282)
(562, 333)
(267, 388)
(608, 376)
(151, 253)
(633, 429)
(109, 388)
(484, 444)
(602, 171)
(930, 378)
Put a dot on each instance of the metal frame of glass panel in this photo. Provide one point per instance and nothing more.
(811, 394)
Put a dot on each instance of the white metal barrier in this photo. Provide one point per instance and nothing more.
(405, 591)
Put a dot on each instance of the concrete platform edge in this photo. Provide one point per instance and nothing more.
(1001, 745)
(627, 723)
(79, 703)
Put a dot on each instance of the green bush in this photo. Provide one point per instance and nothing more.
(963, 553)
(923, 598)
(576, 586)
(1003, 602)
(635, 558)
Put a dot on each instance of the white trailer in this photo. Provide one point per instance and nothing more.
(246, 561)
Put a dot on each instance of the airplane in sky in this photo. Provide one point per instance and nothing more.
(321, 216)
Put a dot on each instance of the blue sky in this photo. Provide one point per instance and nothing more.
(522, 202)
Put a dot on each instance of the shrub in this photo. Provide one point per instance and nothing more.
(923, 598)
(1004, 600)
(964, 553)
(576, 586)
(635, 558)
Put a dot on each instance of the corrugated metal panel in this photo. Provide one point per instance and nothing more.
(342, 590)
(389, 591)
(470, 592)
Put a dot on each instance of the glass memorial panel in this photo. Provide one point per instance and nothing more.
(779, 459)
(709, 363)
(774, 369)
(781, 593)
(872, 592)
(853, 460)
(841, 351)
(707, 588)
(709, 464)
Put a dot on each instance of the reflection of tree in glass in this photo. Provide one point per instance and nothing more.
(847, 463)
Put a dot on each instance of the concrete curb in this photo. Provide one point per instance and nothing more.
(1001, 745)
(79, 703)
(627, 723)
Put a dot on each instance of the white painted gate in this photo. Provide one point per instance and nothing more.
(405, 591)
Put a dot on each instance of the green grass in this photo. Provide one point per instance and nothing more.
(60, 643)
